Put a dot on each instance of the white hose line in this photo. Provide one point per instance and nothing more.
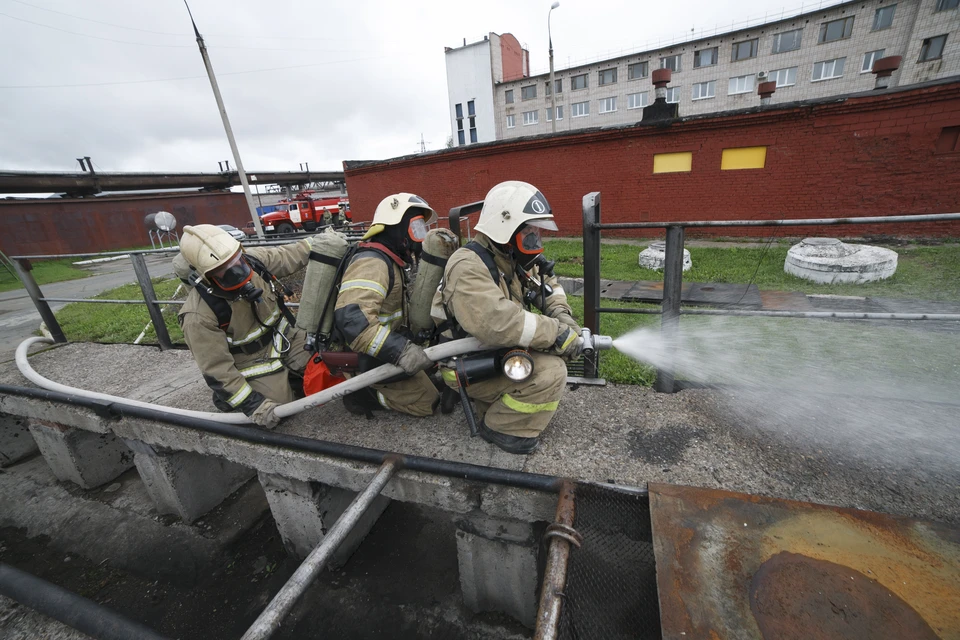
(437, 353)
(30, 374)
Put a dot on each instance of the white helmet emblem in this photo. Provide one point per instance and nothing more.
(538, 206)
(394, 203)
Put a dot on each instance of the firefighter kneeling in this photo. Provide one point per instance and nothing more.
(486, 293)
(235, 323)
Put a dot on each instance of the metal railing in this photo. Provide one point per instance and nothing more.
(23, 267)
(671, 308)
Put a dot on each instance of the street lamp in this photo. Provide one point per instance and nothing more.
(553, 84)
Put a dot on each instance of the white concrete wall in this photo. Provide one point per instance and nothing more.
(913, 21)
(469, 78)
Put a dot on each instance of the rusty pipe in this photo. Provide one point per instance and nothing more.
(555, 573)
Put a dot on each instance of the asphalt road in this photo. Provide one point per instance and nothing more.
(19, 318)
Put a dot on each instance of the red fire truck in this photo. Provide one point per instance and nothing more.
(306, 213)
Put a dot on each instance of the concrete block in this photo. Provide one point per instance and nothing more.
(305, 511)
(187, 484)
(86, 459)
(16, 443)
(498, 566)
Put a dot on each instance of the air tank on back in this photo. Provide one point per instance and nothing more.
(438, 246)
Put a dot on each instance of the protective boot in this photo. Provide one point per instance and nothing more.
(510, 444)
(362, 403)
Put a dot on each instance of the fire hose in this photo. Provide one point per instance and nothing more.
(438, 353)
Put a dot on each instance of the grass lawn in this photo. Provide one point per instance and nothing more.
(91, 322)
(926, 273)
(44, 272)
(923, 273)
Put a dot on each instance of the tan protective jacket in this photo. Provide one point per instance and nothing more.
(229, 359)
(368, 309)
(495, 314)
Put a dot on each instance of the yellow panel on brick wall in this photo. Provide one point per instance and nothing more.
(672, 162)
(744, 158)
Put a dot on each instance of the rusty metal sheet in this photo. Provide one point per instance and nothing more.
(732, 565)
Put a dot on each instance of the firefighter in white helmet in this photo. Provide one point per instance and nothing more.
(235, 323)
(483, 295)
(372, 315)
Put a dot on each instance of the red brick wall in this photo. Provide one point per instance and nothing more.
(511, 55)
(86, 225)
(864, 156)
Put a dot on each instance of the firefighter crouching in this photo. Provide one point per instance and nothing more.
(484, 295)
(372, 315)
(234, 321)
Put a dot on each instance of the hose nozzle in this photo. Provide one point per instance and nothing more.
(592, 343)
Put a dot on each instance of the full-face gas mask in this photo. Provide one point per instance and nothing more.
(235, 278)
(527, 245)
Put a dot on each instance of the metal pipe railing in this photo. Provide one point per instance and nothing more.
(268, 622)
(671, 306)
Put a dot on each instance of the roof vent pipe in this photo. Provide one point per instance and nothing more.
(883, 69)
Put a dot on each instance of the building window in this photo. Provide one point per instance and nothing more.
(608, 76)
(460, 135)
(869, 58)
(608, 105)
(557, 83)
(579, 109)
(637, 100)
(673, 95)
(578, 82)
(473, 134)
(743, 158)
(470, 109)
(530, 117)
(528, 92)
(740, 84)
(549, 113)
(836, 30)
(744, 50)
(638, 70)
(703, 90)
(947, 4)
(883, 18)
(670, 62)
(932, 48)
(705, 58)
(787, 41)
(828, 69)
(511, 121)
(783, 77)
(508, 96)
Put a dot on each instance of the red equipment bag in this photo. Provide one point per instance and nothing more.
(317, 377)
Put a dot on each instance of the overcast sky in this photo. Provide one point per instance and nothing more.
(303, 80)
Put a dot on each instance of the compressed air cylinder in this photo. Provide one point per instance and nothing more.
(326, 251)
(438, 246)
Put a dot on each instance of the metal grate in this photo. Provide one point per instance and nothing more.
(611, 589)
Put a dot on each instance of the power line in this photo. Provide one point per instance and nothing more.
(165, 33)
(228, 73)
(174, 46)
(86, 35)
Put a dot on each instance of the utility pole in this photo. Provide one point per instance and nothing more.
(226, 126)
(553, 84)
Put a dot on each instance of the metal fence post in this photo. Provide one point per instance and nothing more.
(150, 297)
(23, 268)
(670, 316)
(591, 275)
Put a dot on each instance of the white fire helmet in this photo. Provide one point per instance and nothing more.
(508, 206)
(207, 247)
(391, 210)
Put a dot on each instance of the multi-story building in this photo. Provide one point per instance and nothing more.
(811, 55)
